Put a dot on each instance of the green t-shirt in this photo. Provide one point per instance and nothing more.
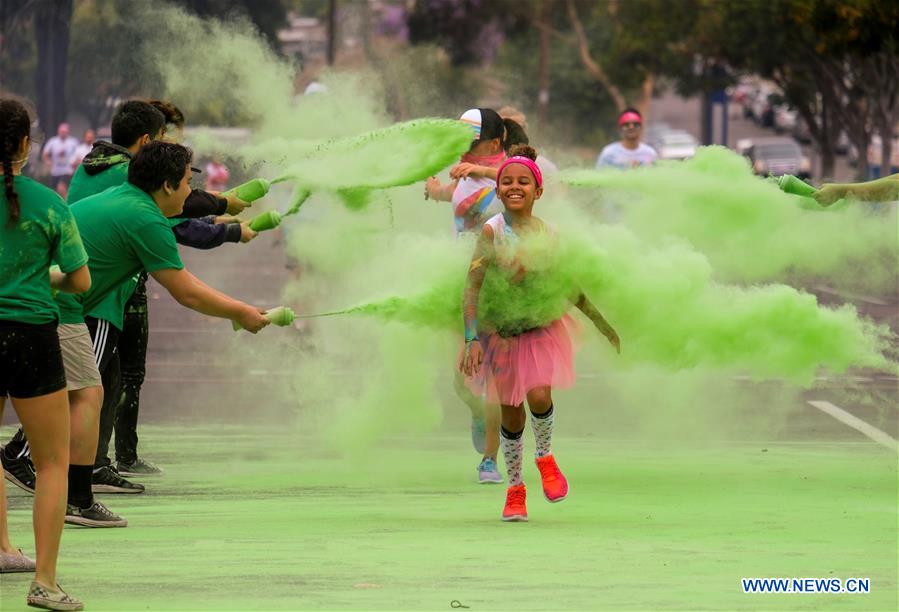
(112, 307)
(84, 185)
(44, 234)
(124, 232)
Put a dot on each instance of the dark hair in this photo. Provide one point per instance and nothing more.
(631, 109)
(159, 163)
(523, 150)
(133, 119)
(15, 124)
(515, 134)
(171, 112)
(493, 126)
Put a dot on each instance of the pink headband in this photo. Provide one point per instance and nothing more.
(629, 117)
(524, 161)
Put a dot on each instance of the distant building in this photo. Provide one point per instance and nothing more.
(305, 39)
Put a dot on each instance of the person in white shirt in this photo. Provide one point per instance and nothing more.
(57, 154)
(628, 152)
(82, 150)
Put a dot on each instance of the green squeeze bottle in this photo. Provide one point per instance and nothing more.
(282, 316)
(791, 184)
(270, 219)
(252, 190)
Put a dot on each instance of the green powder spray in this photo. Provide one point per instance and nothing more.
(671, 278)
(747, 227)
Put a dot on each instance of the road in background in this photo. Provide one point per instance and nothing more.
(684, 114)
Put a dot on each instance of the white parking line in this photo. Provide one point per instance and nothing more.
(856, 423)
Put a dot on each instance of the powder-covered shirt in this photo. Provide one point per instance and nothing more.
(60, 151)
(84, 184)
(523, 289)
(124, 232)
(44, 234)
(617, 155)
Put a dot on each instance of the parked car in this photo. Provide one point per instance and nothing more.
(801, 132)
(785, 119)
(675, 144)
(654, 130)
(742, 94)
(762, 105)
(775, 156)
(874, 156)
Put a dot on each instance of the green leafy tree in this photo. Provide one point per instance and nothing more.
(835, 60)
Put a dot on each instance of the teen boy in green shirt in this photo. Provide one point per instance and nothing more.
(125, 230)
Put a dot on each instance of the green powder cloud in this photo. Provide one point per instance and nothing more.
(665, 305)
(674, 278)
(747, 227)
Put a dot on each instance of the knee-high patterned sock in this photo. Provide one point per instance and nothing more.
(543, 431)
(513, 449)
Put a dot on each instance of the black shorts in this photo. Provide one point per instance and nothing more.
(30, 360)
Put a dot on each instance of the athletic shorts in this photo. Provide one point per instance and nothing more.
(104, 341)
(30, 360)
(78, 357)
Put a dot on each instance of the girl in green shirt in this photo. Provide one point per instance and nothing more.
(36, 231)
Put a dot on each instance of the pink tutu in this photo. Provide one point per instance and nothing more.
(542, 357)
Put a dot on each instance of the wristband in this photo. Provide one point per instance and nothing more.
(471, 331)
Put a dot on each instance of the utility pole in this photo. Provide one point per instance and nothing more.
(332, 31)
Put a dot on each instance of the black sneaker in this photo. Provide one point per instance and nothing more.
(107, 480)
(138, 467)
(20, 471)
(97, 515)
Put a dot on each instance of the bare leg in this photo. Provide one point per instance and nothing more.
(513, 418)
(491, 446)
(46, 423)
(540, 399)
(474, 403)
(85, 410)
(5, 546)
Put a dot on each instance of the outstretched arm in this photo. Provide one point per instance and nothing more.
(482, 259)
(587, 307)
(435, 190)
(466, 170)
(190, 291)
(885, 189)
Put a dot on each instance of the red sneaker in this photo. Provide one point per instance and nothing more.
(555, 487)
(515, 509)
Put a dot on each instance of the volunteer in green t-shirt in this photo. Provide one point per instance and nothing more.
(36, 231)
(125, 231)
(136, 123)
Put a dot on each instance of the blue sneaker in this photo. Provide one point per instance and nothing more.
(479, 432)
(488, 472)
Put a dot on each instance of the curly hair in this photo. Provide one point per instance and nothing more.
(523, 150)
(16, 125)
